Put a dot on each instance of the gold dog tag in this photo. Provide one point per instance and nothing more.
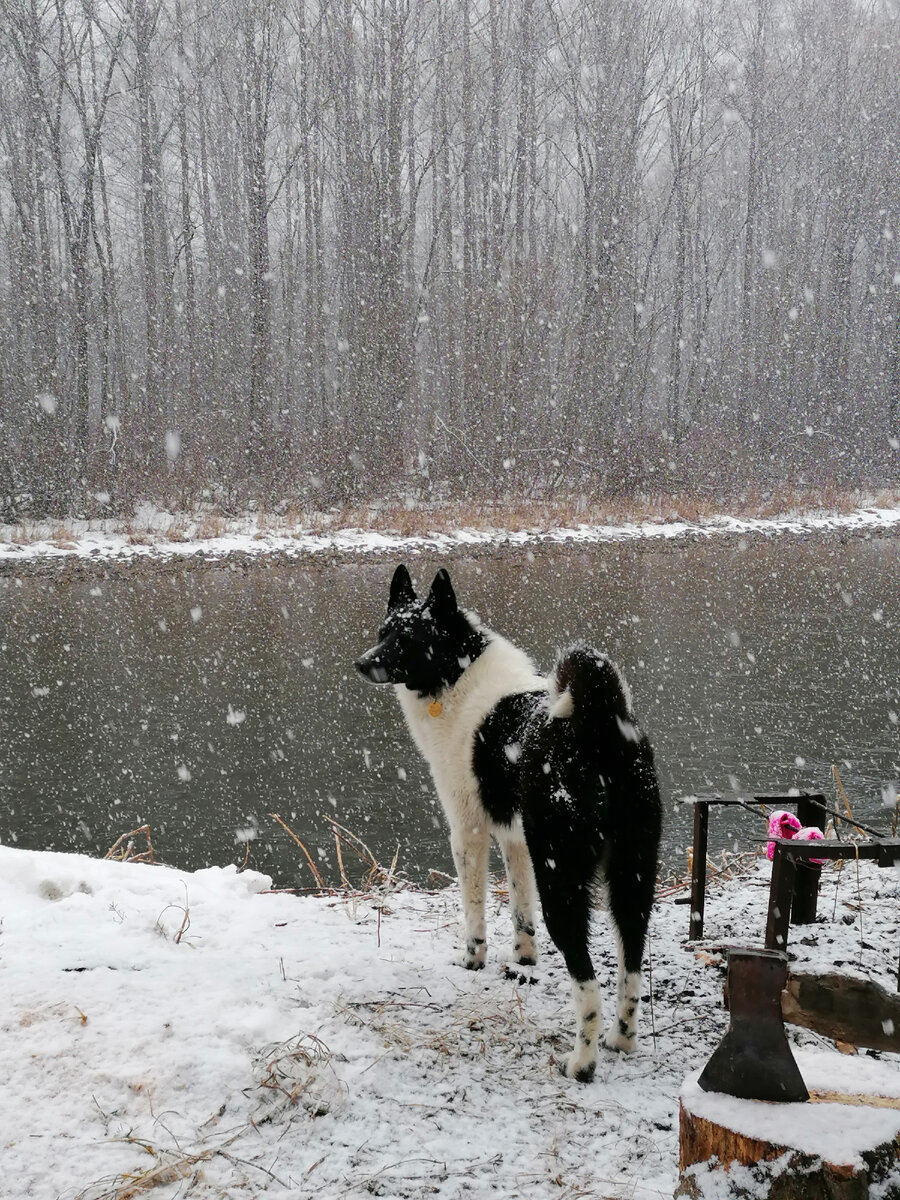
(435, 708)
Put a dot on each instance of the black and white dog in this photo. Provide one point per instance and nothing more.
(555, 768)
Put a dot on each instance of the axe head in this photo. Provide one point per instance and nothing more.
(754, 1060)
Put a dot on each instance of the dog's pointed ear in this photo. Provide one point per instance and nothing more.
(442, 599)
(402, 590)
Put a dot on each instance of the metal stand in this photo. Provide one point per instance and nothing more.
(810, 811)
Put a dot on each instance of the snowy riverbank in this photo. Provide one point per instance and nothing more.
(156, 1020)
(157, 535)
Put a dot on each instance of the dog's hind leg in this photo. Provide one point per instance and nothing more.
(582, 1060)
(520, 878)
(622, 1034)
(566, 904)
(470, 854)
(629, 909)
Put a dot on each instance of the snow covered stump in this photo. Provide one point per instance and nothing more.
(750, 1128)
(840, 1145)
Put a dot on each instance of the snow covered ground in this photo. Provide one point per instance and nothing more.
(153, 536)
(177, 1034)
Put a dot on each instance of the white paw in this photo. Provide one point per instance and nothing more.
(474, 955)
(524, 951)
(614, 1039)
(579, 1066)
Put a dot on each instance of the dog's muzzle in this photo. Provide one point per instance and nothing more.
(370, 668)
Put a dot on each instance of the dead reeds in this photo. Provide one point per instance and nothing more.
(416, 516)
(376, 877)
(726, 867)
(316, 873)
(125, 850)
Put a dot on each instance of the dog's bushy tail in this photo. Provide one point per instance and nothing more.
(589, 690)
(588, 694)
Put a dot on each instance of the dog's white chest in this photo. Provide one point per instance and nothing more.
(445, 732)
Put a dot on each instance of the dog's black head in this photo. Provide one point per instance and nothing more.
(423, 644)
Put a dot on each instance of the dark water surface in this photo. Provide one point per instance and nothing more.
(201, 700)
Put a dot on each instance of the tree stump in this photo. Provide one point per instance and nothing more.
(843, 1144)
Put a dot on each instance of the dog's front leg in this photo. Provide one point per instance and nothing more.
(470, 848)
(520, 879)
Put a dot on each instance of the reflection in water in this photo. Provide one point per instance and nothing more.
(200, 701)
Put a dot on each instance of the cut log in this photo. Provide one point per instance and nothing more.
(856, 1011)
(829, 1097)
(841, 1145)
(700, 1140)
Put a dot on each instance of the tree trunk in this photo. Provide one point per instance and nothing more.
(145, 20)
(748, 383)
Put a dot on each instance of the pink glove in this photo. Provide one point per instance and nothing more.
(783, 825)
(811, 834)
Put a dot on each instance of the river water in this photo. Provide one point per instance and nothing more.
(201, 700)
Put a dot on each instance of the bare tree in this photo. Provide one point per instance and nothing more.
(260, 31)
(69, 114)
(339, 248)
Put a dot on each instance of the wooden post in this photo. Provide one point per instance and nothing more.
(884, 851)
(698, 869)
(810, 811)
(780, 894)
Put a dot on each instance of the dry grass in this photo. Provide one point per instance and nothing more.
(168, 1168)
(376, 879)
(784, 499)
(416, 518)
(465, 1030)
(61, 537)
(211, 527)
(298, 1074)
(179, 531)
(314, 870)
(569, 511)
(181, 1167)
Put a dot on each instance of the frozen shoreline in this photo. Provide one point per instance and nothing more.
(80, 544)
(158, 1020)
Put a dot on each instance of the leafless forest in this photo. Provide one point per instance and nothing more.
(306, 250)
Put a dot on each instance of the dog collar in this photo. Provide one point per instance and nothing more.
(435, 708)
